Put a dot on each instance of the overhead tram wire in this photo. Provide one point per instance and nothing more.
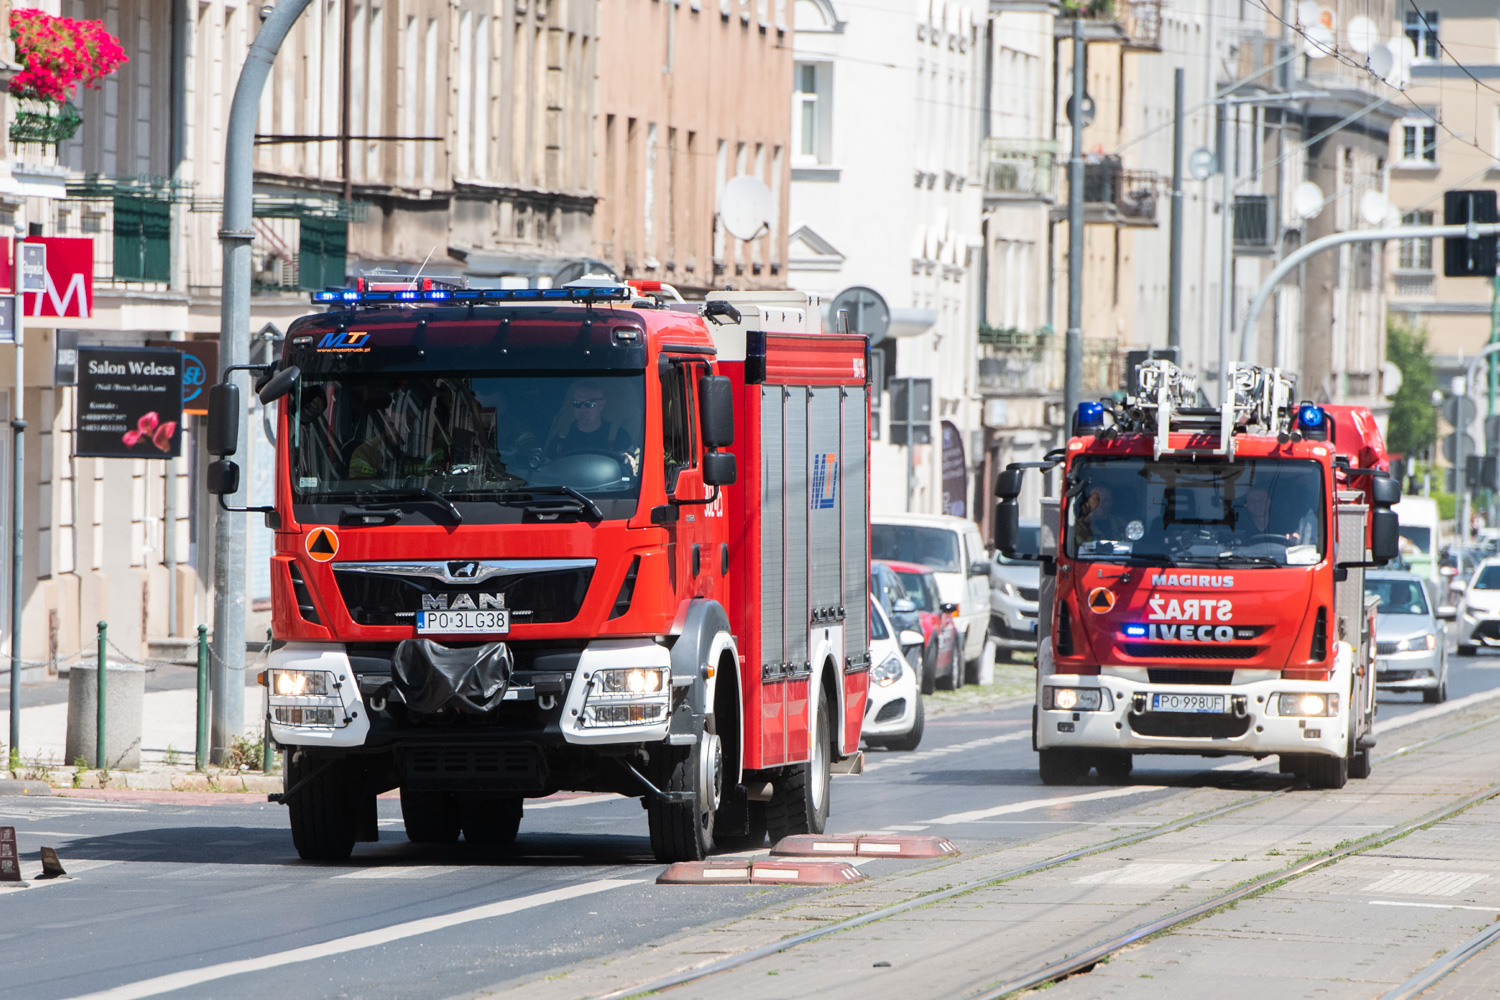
(1449, 52)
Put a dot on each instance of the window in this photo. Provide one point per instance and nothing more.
(676, 423)
(143, 229)
(810, 112)
(1422, 29)
(1416, 254)
(1419, 142)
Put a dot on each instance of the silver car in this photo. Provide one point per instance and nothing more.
(1411, 641)
(1013, 597)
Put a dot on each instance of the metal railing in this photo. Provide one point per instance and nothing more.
(1128, 195)
(1019, 361)
(1020, 168)
(1141, 20)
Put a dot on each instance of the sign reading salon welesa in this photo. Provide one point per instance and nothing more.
(129, 402)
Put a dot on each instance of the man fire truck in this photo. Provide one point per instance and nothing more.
(583, 538)
(1203, 580)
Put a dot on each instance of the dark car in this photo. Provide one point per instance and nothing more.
(941, 662)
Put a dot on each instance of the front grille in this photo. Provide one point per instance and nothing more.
(891, 710)
(1169, 675)
(1200, 725)
(1189, 651)
(1489, 629)
(1028, 593)
(534, 596)
(1387, 648)
(517, 768)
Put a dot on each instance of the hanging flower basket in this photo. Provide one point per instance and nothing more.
(60, 54)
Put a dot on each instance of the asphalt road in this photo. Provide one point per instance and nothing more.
(170, 889)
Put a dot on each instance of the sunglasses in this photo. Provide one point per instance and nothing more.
(587, 404)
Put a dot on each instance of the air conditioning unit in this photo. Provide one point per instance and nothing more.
(1254, 222)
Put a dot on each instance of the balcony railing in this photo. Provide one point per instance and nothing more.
(1254, 223)
(1141, 20)
(1113, 194)
(1420, 286)
(1020, 168)
(1014, 360)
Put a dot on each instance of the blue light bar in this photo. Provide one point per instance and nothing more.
(1135, 631)
(606, 293)
(1310, 416)
(1090, 418)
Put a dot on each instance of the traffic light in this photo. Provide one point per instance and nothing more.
(1463, 257)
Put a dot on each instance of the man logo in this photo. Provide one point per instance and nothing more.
(825, 480)
(1101, 600)
(341, 341)
(463, 570)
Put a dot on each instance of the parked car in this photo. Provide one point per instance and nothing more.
(1479, 611)
(952, 549)
(1411, 641)
(891, 594)
(1014, 586)
(893, 713)
(941, 663)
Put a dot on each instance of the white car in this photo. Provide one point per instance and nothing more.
(893, 713)
(1479, 611)
(952, 549)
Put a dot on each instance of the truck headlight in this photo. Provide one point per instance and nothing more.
(1417, 643)
(635, 680)
(1066, 699)
(627, 696)
(887, 671)
(306, 698)
(1309, 704)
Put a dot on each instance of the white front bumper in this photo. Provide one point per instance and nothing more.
(879, 697)
(1265, 731)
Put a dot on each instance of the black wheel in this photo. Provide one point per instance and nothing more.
(684, 831)
(1325, 772)
(1467, 649)
(754, 825)
(1291, 763)
(928, 669)
(1361, 764)
(430, 817)
(912, 738)
(325, 812)
(799, 798)
(973, 667)
(955, 676)
(1062, 766)
(492, 821)
(1114, 766)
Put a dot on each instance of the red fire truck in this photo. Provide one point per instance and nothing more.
(1203, 580)
(584, 538)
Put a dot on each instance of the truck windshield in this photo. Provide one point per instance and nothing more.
(935, 548)
(1419, 536)
(469, 436)
(1255, 512)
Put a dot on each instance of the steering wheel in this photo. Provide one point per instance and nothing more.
(586, 468)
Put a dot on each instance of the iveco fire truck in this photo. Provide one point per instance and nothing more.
(1203, 580)
(574, 539)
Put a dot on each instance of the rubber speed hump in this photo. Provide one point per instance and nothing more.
(322, 544)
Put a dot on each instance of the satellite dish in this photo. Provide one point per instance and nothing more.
(1363, 35)
(1307, 200)
(1381, 61)
(1374, 208)
(1317, 41)
(1202, 163)
(866, 309)
(1390, 379)
(746, 207)
(1307, 13)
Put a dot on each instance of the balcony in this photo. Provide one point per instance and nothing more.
(1112, 194)
(1254, 224)
(1141, 20)
(1416, 286)
(1020, 169)
(1136, 24)
(300, 244)
(1018, 362)
(130, 221)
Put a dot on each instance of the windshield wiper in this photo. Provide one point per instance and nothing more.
(584, 503)
(405, 495)
(1240, 557)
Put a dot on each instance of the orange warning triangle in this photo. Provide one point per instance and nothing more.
(1101, 599)
(322, 544)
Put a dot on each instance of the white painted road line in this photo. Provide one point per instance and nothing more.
(1434, 906)
(1436, 711)
(917, 756)
(582, 800)
(1030, 804)
(1148, 874)
(354, 942)
(401, 871)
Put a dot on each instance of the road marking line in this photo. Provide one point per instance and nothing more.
(1060, 800)
(401, 871)
(1147, 874)
(917, 756)
(1434, 906)
(1436, 711)
(354, 942)
(582, 800)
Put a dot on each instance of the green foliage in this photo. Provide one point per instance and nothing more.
(1413, 421)
(246, 754)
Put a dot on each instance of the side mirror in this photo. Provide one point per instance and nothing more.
(223, 477)
(1385, 535)
(1447, 613)
(910, 638)
(904, 606)
(279, 385)
(949, 608)
(979, 567)
(1007, 527)
(1384, 491)
(719, 468)
(1008, 484)
(224, 419)
(716, 411)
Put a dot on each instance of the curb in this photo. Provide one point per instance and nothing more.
(17, 787)
(864, 845)
(150, 781)
(787, 872)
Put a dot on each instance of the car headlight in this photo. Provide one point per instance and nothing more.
(1308, 704)
(1009, 590)
(1086, 699)
(305, 698)
(1417, 643)
(887, 671)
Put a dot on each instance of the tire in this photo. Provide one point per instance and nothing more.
(1467, 649)
(973, 667)
(430, 817)
(1293, 764)
(684, 831)
(1326, 772)
(912, 738)
(929, 668)
(754, 836)
(1061, 766)
(1114, 766)
(799, 798)
(324, 814)
(491, 821)
(1361, 765)
(955, 678)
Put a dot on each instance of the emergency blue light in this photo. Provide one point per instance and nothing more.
(1136, 631)
(1090, 418)
(593, 293)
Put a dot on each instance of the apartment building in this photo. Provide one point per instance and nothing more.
(692, 96)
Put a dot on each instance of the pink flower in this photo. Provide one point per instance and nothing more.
(60, 54)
